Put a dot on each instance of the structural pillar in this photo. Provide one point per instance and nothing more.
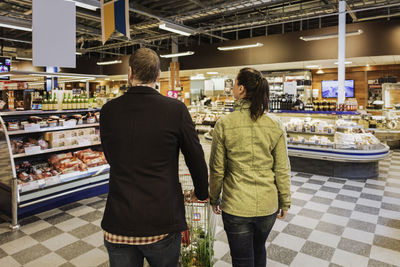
(342, 52)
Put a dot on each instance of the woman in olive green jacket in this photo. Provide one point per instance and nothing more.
(250, 165)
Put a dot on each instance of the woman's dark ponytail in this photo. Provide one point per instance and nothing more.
(257, 91)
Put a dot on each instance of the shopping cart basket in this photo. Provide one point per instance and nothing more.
(198, 241)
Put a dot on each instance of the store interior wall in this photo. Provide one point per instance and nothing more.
(360, 75)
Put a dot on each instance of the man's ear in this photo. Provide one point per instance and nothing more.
(130, 74)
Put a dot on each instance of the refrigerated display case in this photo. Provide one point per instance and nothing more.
(332, 145)
(49, 159)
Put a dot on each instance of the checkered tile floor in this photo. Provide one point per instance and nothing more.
(332, 222)
(335, 222)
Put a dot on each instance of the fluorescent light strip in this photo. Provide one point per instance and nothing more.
(86, 5)
(312, 66)
(22, 28)
(109, 62)
(226, 48)
(78, 53)
(212, 72)
(187, 53)
(24, 58)
(176, 29)
(346, 63)
(328, 36)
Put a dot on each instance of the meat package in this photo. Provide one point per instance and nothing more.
(91, 158)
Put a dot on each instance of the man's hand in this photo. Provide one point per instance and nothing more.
(282, 214)
(216, 209)
(190, 196)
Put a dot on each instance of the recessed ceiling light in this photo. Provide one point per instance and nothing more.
(320, 71)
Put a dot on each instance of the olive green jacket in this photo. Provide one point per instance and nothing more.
(249, 163)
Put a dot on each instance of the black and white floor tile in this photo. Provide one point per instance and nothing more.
(332, 222)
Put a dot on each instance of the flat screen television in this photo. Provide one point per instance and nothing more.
(5, 66)
(330, 88)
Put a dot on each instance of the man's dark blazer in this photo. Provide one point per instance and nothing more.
(142, 133)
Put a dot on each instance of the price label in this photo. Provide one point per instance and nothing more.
(84, 142)
(41, 183)
(70, 123)
(31, 150)
(52, 180)
(31, 127)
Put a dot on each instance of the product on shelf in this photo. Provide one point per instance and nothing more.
(18, 145)
(27, 172)
(66, 163)
(355, 140)
(346, 123)
(309, 126)
(91, 158)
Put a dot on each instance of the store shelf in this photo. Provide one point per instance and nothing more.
(388, 131)
(339, 155)
(41, 112)
(52, 129)
(57, 149)
(313, 133)
(50, 182)
(318, 112)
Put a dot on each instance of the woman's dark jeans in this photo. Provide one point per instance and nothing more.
(247, 237)
(164, 253)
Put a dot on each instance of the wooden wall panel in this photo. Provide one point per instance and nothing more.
(360, 83)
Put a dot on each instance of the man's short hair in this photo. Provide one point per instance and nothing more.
(145, 65)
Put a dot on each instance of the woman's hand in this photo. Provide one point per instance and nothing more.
(216, 209)
(282, 214)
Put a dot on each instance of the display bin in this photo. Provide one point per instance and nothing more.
(197, 247)
(37, 193)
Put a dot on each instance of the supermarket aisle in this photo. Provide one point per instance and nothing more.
(332, 222)
(335, 222)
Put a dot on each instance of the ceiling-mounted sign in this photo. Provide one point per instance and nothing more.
(54, 33)
(114, 16)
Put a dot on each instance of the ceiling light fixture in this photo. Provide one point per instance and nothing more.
(24, 58)
(367, 65)
(197, 77)
(235, 47)
(187, 53)
(87, 4)
(17, 27)
(320, 71)
(179, 29)
(78, 53)
(109, 62)
(328, 36)
(212, 72)
(312, 66)
(346, 63)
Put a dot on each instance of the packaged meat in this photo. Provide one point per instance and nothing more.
(13, 126)
(35, 119)
(43, 144)
(54, 159)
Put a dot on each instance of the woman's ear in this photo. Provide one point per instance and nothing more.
(242, 91)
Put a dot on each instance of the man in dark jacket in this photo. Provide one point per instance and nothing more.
(142, 133)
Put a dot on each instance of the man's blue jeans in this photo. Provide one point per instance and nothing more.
(247, 237)
(164, 253)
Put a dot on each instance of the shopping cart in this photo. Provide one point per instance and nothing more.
(198, 241)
